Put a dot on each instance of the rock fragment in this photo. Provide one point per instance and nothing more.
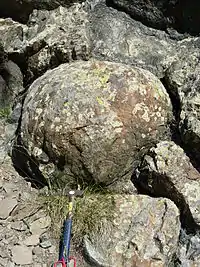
(6, 206)
(22, 254)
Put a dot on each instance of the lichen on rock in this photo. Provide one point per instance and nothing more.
(95, 116)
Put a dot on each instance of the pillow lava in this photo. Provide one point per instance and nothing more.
(95, 118)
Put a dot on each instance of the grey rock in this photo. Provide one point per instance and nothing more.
(163, 14)
(45, 241)
(123, 242)
(99, 129)
(55, 37)
(24, 210)
(22, 255)
(10, 264)
(6, 206)
(38, 252)
(189, 250)
(166, 171)
(3, 90)
(20, 11)
(3, 262)
(19, 226)
(16, 113)
(12, 35)
(40, 225)
(4, 252)
(32, 240)
(117, 37)
(182, 80)
(45, 244)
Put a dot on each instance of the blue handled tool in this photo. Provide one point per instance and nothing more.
(64, 259)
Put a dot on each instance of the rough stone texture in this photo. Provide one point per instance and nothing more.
(55, 37)
(12, 35)
(12, 87)
(125, 243)
(97, 120)
(40, 225)
(20, 10)
(6, 206)
(49, 39)
(116, 37)
(32, 240)
(189, 250)
(182, 15)
(168, 172)
(22, 255)
(17, 243)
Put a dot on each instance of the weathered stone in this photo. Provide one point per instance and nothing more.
(6, 206)
(19, 226)
(24, 210)
(38, 251)
(45, 241)
(168, 172)
(10, 264)
(188, 251)
(45, 244)
(3, 90)
(55, 37)
(4, 252)
(103, 114)
(40, 226)
(117, 37)
(32, 240)
(12, 34)
(22, 254)
(20, 11)
(3, 262)
(163, 14)
(124, 242)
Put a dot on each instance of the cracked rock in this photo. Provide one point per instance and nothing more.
(32, 240)
(19, 226)
(6, 206)
(167, 172)
(124, 241)
(22, 254)
(98, 129)
(40, 225)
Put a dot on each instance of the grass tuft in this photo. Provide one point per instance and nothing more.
(5, 113)
(90, 212)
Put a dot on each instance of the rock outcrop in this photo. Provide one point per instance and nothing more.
(166, 171)
(81, 102)
(123, 242)
(163, 14)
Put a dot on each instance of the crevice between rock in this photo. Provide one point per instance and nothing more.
(159, 185)
(175, 125)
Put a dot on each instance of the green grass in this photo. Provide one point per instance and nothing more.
(5, 113)
(96, 206)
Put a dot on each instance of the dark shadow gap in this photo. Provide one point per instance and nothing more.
(181, 15)
(175, 125)
(161, 186)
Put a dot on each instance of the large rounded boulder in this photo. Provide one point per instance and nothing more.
(94, 119)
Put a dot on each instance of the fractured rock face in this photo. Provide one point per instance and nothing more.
(181, 15)
(12, 35)
(124, 242)
(166, 171)
(54, 37)
(20, 10)
(95, 116)
(116, 37)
